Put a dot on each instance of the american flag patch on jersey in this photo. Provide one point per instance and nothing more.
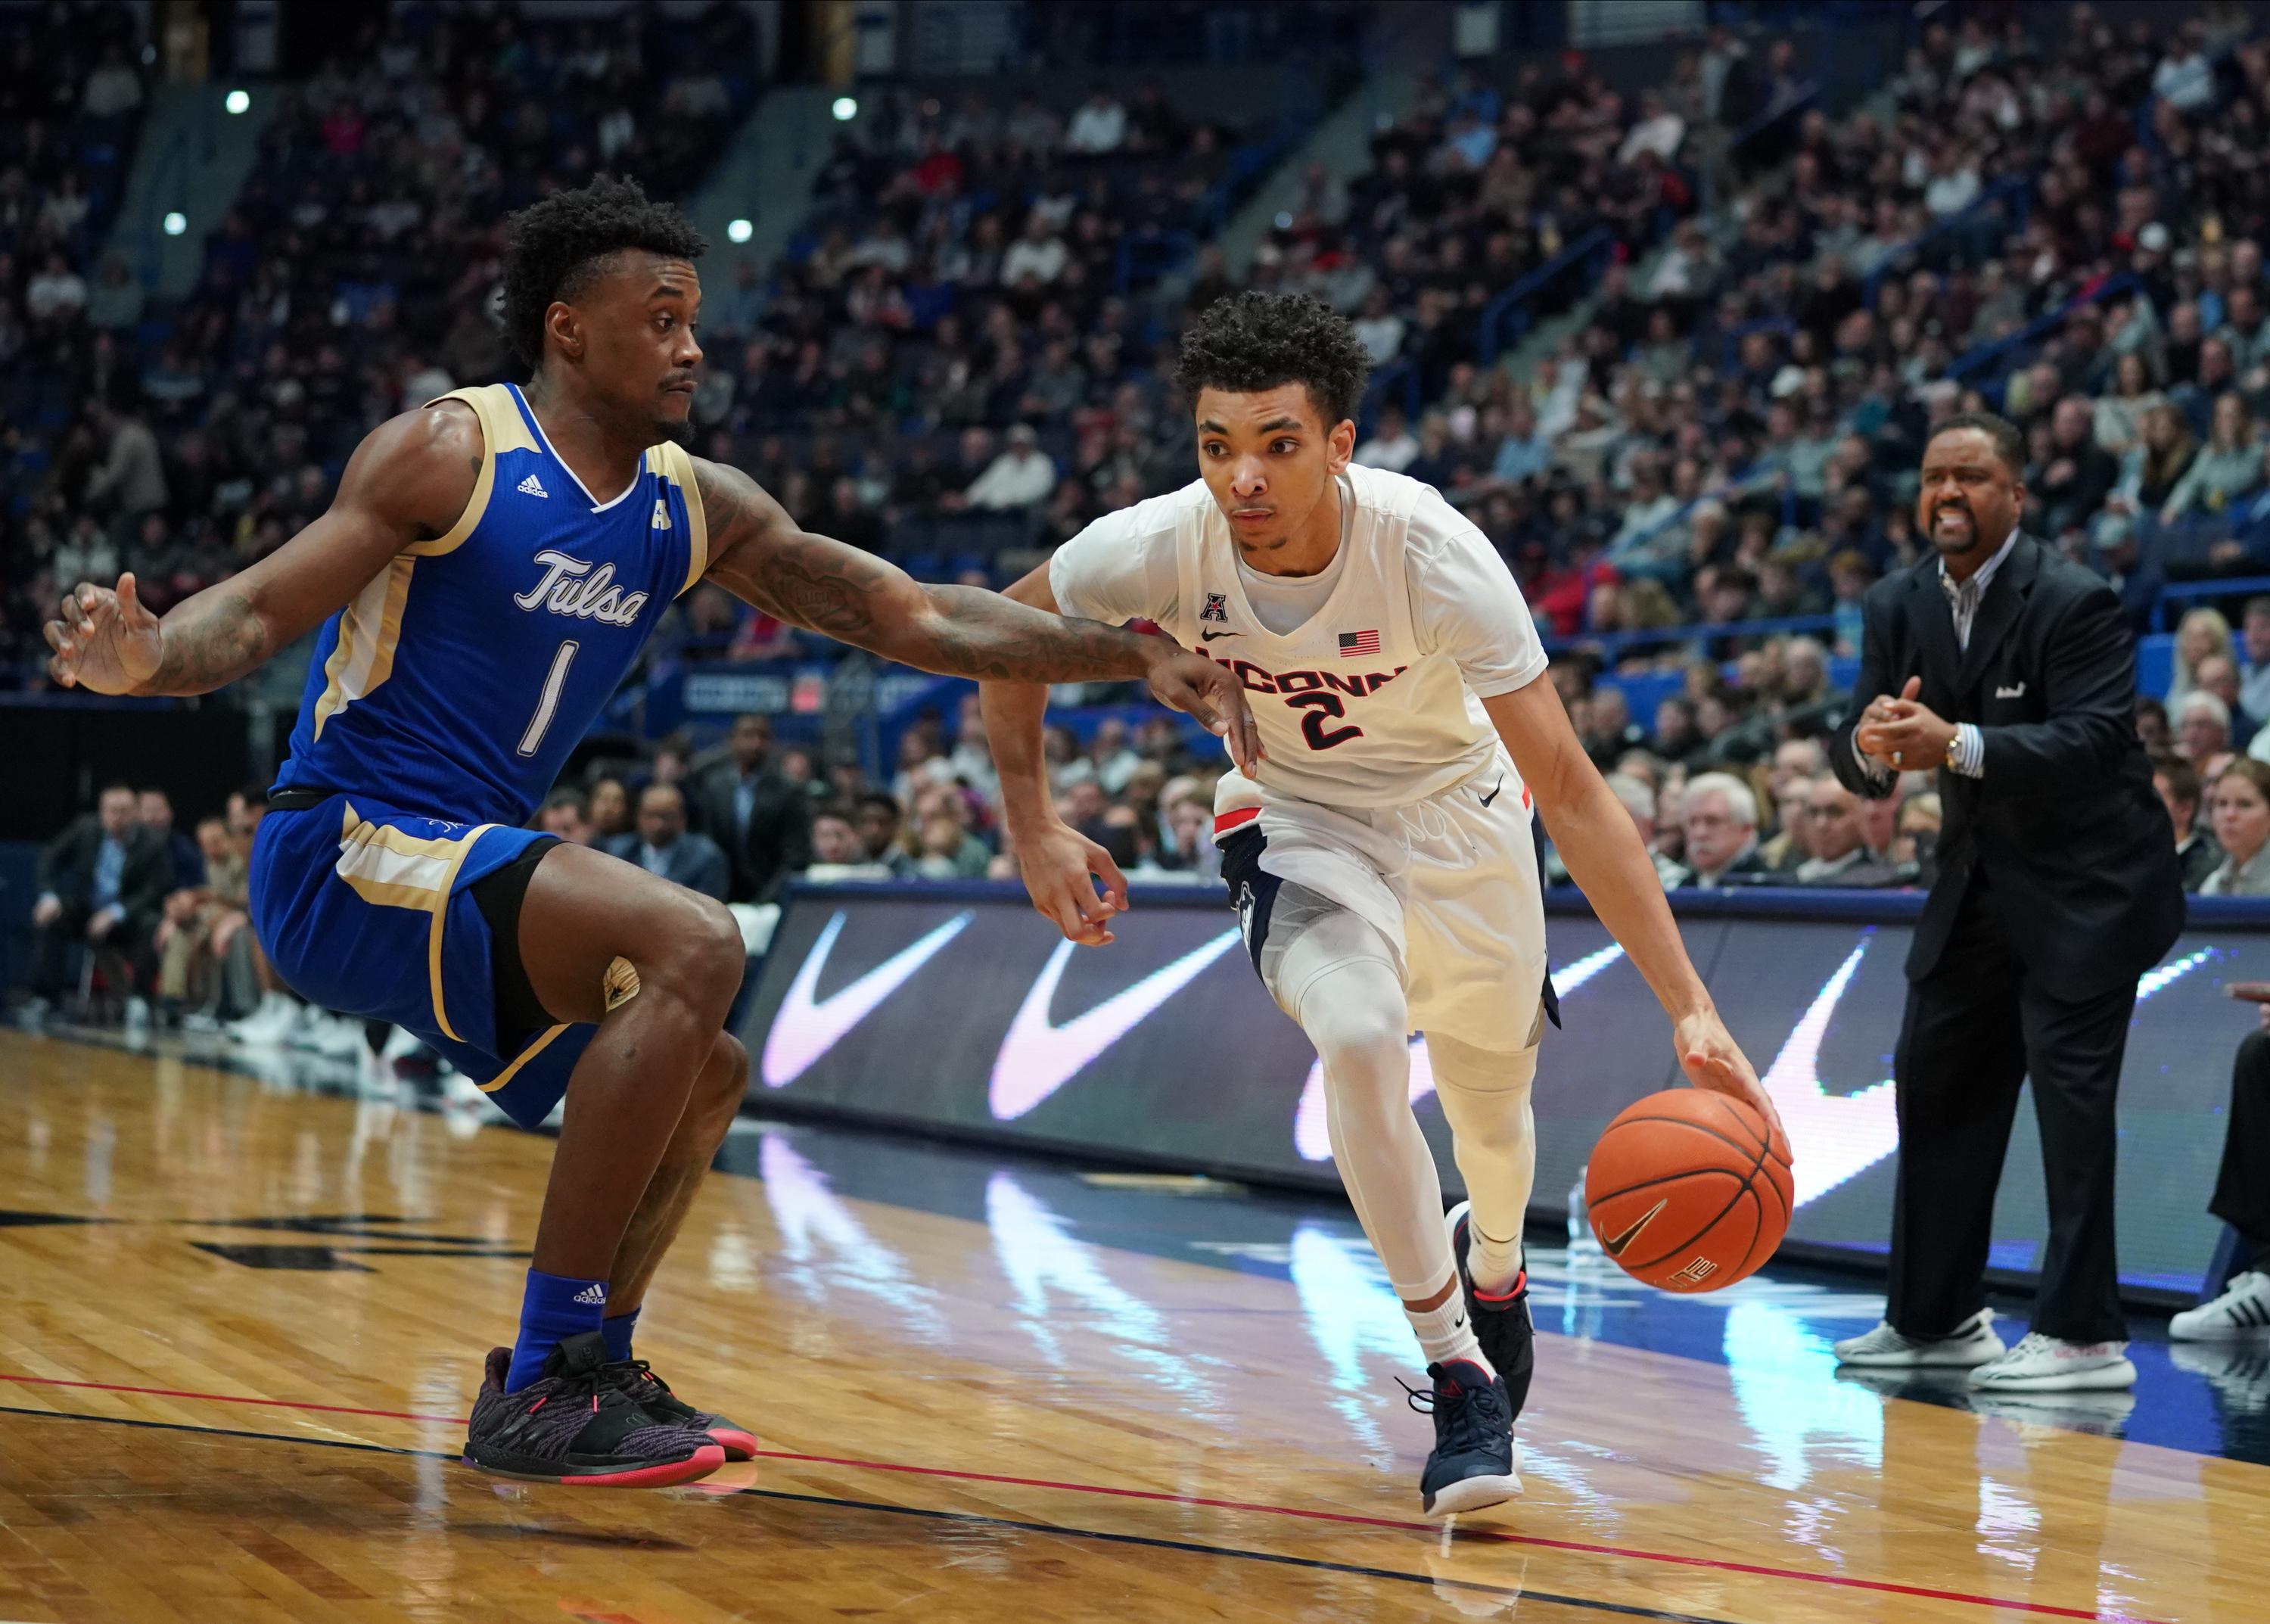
(1355, 643)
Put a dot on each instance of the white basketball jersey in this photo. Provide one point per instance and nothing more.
(1351, 710)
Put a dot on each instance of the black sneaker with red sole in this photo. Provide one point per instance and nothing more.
(652, 1394)
(576, 1425)
(1501, 1322)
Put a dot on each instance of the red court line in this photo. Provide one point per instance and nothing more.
(1879, 1585)
(1838, 1581)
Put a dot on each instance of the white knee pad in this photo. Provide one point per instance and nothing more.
(1492, 1080)
(1338, 978)
(1309, 935)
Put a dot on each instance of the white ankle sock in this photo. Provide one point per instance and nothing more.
(1495, 1264)
(1443, 1333)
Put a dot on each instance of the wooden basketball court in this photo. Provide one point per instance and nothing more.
(240, 1326)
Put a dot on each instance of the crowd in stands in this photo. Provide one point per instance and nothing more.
(1728, 783)
(959, 365)
(353, 277)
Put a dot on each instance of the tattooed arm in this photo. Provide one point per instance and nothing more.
(759, 554)
(407, 482)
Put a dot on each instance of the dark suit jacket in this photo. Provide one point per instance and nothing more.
(67, 868)
(2063, 822)
(2198, 859)
(692, 861)
(1749, 869)
(777, 842)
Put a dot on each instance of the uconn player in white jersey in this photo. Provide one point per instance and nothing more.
(1380, 854)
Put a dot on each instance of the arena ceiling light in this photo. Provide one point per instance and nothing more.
(237, 102)
(740, 231)
(846, 109)
(176, 223)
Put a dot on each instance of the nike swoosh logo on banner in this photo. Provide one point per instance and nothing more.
(1834, 1138)
(1210, 637)
(1614, 1248)
(807, 1027)
(1038, 1057)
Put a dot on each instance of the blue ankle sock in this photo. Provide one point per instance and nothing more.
(617, 1329)
(553, 1308)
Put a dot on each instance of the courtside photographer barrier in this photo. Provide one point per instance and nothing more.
(955, 1009)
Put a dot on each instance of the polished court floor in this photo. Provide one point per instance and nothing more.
(240, 1321)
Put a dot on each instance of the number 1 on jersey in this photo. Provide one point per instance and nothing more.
(539, 723)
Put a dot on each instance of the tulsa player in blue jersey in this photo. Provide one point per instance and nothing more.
(487, 572)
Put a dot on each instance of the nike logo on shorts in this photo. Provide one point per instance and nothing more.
(1492, 796)
(1615, 1247)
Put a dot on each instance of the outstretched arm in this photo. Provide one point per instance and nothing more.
(758, 553)
(1595, 838)
(1054, 859)
(407, 482)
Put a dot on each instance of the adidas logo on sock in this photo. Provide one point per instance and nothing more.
(532, 486)
(595, 1294)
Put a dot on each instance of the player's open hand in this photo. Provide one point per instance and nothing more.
(1056, 862)
(105, 640)
(1712, 1059)
(1212, 693)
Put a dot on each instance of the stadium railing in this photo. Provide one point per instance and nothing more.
(1512, 313)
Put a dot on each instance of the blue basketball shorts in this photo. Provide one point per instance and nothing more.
(368, 910)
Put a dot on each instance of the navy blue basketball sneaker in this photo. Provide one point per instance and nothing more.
(1500, 1321)
(1471, 1463)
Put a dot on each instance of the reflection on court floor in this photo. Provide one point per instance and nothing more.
(244, 1321)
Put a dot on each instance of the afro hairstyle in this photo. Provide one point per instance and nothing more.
(553, 249)
(1248, 342)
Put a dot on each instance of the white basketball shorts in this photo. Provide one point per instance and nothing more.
(1450, 882)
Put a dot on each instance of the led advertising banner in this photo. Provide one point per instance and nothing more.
(958, 1009)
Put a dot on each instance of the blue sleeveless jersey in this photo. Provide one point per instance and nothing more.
(458, 682)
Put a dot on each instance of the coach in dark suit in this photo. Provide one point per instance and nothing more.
(2008, 670)
(665, 848)
(762, 820)
(103, 880)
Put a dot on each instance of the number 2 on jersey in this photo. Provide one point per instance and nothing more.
(541, 721)
(1320, 706)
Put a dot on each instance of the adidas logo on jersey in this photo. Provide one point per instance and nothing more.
(533, 487)
(660, 521)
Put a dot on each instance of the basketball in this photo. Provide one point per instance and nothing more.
(1688, 1192)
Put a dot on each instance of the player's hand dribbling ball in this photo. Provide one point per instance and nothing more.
(1689, 1189)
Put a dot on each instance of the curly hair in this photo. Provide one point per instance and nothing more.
(1248, 342)
(554, 249)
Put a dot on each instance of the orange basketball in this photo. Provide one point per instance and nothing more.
(1686, 1192)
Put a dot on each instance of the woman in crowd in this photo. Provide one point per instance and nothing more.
(2239, 805)
(2203, 634)
(2231, 462)
(2120, 416)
